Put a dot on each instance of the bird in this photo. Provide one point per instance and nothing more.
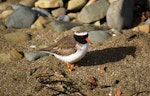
(70, 48)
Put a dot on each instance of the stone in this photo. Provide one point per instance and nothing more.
(110, 1)
(29, 3)
(97, 23)
(142, 28)
(63, 18)
(76, 4)
(49, 3)
(35, 55)
(93, 12)
(6, 13)
(147, 21)
(4, 5)
(72, 15)
(39, 23)
(62, 26)
(99, 36)
(58, 12)
(120, 14)
(10, 56)
(19, 20)
(17, 36)
(90, 2)
(85, 28)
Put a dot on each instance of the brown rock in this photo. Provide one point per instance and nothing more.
(143, 28)
(58, 12)
(49, 3)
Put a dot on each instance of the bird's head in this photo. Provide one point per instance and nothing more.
(81, 37)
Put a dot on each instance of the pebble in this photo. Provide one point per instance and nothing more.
(29, 3)
(4, 5)
(58, 12)
(93, 12)
(6, 13)
(17, 36)
(49, 3)
(76, 4)
(120, 14)
(85, 28)
(110, 1)
(12, 55)
(99, 36)
(63, 18)
(73, 15)
(147, 21)
(142, 28)
(39, 23)
(61, 26)
(19, 20)
(35, 55)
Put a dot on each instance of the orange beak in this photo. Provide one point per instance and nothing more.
(88, 40)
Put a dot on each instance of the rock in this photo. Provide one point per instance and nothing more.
(110, 1)
(34, 55)
(49, 3)
(147, 21)
(85, 28)
(93, 12)
(4, 5)
(10, 56)
(63, 18)
(19, 20)
(29, 3)
(76, 4)
(2, 26)
(120, 14)
(90, 2)
(97, 23)
(17, 37)
(99, 36)
(142, 28)
(39, 23)
(6, 13)
(58, 12)
(62, 26)
(73, 15)
(42, 12)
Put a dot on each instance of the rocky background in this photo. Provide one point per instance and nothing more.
(117, 63)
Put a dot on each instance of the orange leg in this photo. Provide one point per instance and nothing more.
(71, 67)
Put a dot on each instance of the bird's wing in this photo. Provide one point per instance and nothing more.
(64, 46)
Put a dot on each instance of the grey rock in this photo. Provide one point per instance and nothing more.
(120, 14)
(17, 37)
(21, 17)
(34, 55)
(99, 36)
(63, 18)
(93, 12)
(62, 26)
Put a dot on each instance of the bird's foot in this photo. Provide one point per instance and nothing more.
(71, 67)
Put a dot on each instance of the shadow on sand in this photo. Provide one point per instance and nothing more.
(98, 57)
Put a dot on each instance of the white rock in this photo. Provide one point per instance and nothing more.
(49, 3)
(76, 4)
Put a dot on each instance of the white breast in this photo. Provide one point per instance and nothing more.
(80, 53)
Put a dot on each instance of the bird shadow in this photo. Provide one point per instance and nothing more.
(107, 55)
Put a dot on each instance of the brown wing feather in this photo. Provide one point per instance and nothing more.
(64, 46)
